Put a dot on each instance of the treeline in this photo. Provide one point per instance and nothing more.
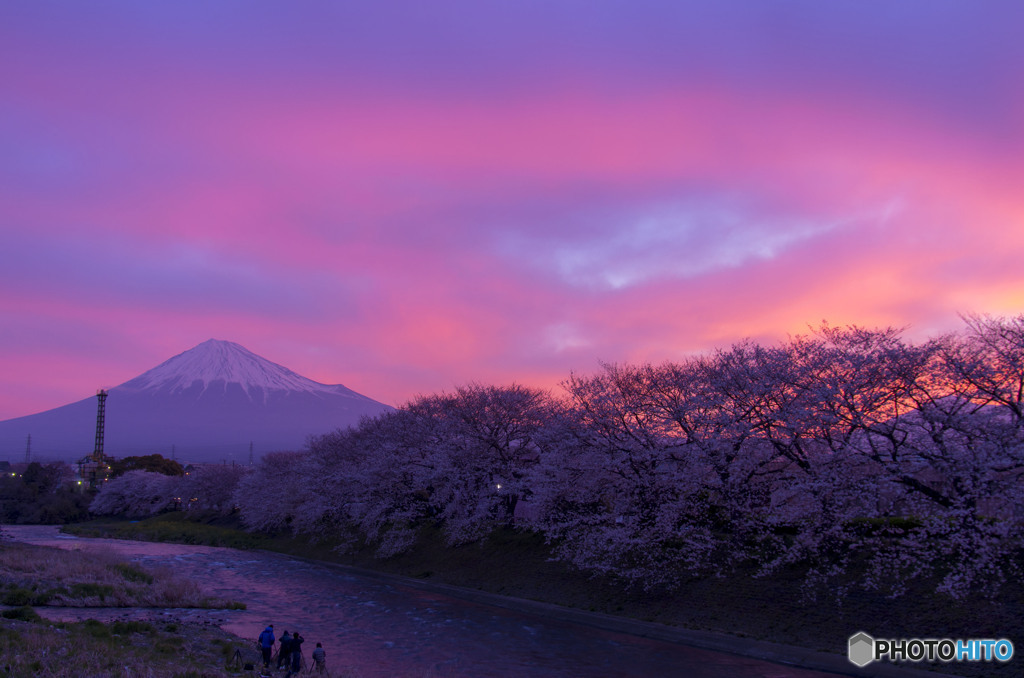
(42, 494)
(52, 494)
(860, 458)
(139, 493)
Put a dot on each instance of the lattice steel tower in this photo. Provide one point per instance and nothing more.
(97, 453)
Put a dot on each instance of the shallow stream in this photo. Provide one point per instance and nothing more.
(372, 629)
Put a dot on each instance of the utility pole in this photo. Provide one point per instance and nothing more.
(28, 449)
(250, 453)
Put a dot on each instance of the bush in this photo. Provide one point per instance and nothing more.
(124, 628)
(132, 573)
(17, 597)
(90, 590)
(25, 613)
(96, 629)
(168, 646)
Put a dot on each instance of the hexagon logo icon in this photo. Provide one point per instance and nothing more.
(861, 651)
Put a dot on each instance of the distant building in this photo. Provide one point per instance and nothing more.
(93, 470)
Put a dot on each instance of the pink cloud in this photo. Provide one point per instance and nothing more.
(368, 221)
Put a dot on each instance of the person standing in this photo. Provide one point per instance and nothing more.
(296, 668)
(284, 653)
(320, 660)
(267, 644)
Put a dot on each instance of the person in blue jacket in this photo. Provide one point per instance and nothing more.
(267, 644)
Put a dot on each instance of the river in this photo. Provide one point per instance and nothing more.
(372, 629)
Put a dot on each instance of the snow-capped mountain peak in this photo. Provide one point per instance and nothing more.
(223, 361)
(216, 401)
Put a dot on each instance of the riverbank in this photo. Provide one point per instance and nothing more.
(36, 647)
(39, 577)
(741, 606)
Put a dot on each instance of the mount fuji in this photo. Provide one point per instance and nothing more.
(213, 402)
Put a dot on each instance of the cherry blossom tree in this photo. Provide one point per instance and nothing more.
(927, 435)
(849, 439)
(491, 439)
(457, 459)
(864, 459)
(136, 494)
(268, 497)
(211, 487)
(625, 491)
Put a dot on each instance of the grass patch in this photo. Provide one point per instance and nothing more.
(91, 590)
(133, 573)
(17, 596)
(33, 576)
(25, 613)
(176, 527)
(124, 628)
(96, 629)
(31, 645)
(92, 648)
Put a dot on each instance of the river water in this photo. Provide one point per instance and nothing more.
(372, 629)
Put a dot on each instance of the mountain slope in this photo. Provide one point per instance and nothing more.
(208, 403)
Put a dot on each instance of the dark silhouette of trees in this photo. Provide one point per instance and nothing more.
(154, 463)
(42, 494)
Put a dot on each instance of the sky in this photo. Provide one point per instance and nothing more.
(404, 197)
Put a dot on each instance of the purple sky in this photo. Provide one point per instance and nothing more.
(404, 197)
